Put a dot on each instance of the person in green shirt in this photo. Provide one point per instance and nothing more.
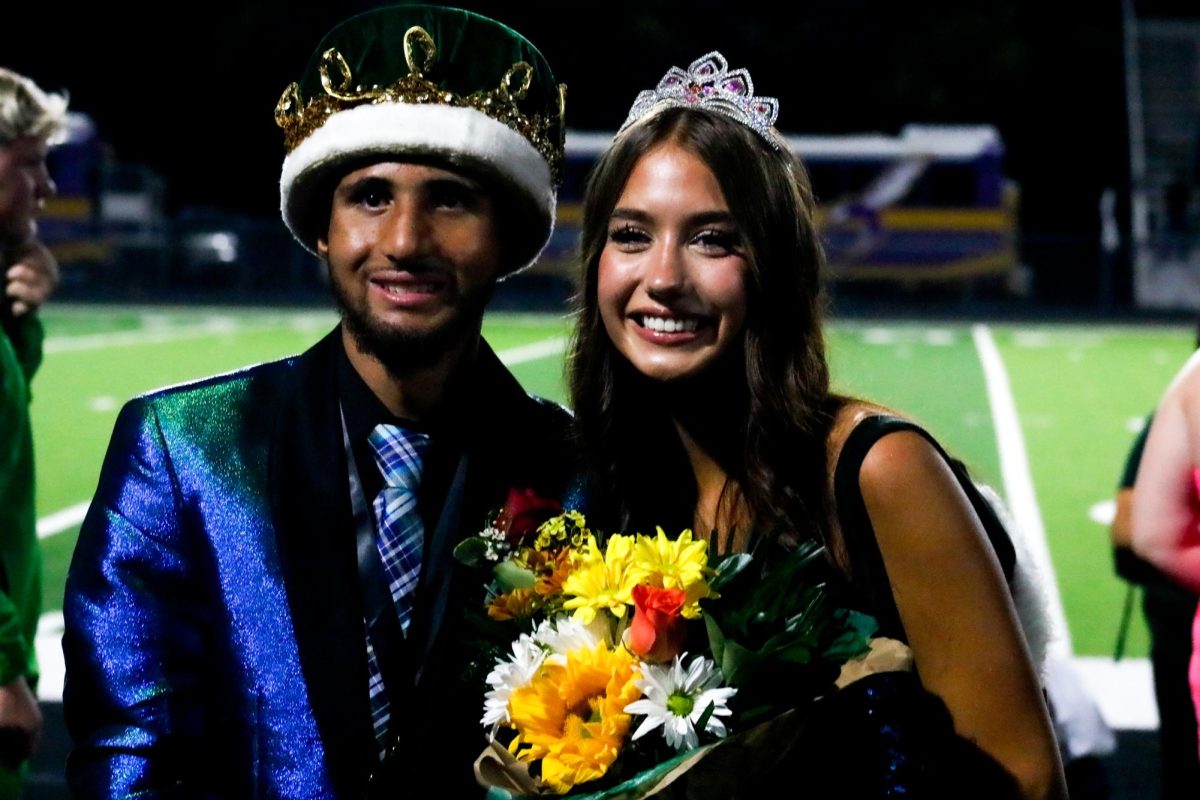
(30, 121)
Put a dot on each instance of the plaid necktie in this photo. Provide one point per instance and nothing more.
(400, 537)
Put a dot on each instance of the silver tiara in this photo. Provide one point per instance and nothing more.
(709, 84)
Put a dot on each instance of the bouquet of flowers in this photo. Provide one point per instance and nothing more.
(618, 662)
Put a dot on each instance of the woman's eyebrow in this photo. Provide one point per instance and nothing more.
(630, 214)
(699, 218)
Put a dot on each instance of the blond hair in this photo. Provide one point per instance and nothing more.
(26, 110)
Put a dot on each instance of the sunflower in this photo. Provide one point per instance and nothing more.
(572, 717)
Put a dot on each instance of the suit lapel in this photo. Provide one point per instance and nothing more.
(481, 481)
(436, 584)
(311, 508)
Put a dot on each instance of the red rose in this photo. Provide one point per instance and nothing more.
(523, 512)
(658, 631)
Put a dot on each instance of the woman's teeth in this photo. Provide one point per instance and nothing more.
(670, 324)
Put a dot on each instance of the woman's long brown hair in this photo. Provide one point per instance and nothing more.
(772, 406)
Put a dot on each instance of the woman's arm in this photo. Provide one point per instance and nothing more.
(1165, 510)
(956, 609)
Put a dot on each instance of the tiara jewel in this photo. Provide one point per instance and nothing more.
(708, 83)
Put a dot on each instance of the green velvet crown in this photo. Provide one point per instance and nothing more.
(449, 56)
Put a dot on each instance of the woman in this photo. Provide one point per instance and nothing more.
(1165, 508)
(702, 398)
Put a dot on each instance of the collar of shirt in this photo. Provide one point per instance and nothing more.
(363, 410)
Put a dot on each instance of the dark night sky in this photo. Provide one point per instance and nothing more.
(191, 91)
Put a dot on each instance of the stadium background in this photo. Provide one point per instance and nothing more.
(181, 104)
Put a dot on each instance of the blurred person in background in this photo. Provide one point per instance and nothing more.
(1165, 511)
(1169, 609)
(30, 121)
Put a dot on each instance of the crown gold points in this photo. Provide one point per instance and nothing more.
(708, 83)
(299, 119)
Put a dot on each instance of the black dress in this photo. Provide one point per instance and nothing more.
(882, 736)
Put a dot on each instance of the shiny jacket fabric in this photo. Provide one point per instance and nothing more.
(214, 624)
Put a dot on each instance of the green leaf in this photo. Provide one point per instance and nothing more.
(716, 641)
(513, 576)
(702, 721)
(729, 568)
(737, 663)
(472, 552)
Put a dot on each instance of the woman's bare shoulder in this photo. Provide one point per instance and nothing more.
(848, 417)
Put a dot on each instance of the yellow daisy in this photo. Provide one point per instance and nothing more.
(517, 604)
(551, 570)
(680, 563)
(602, 580)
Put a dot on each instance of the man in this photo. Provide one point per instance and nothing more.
(253, 608)
(30, 120)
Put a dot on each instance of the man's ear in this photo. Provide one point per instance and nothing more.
(323, 248)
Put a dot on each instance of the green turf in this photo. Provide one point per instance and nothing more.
(1076, 389)
(927, 372)
(542, 376)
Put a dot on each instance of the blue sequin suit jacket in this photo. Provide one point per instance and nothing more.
(214, 623)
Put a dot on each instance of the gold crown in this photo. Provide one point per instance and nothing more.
(545, 132)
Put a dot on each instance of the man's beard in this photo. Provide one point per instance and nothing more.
(403, 352)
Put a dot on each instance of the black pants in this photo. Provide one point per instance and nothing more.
(1169, 612)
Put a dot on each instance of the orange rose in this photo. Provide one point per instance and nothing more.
(658, 631)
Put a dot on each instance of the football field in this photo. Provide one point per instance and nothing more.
(1043, 412)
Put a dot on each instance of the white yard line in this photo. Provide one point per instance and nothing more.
(533, 351)
(1124, 690)
(50, 656)
(158, 335)
(62, 520)
(225, 325)
(161, 328)
(1018, 482)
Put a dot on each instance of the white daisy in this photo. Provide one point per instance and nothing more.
(510, 675)
(566, 635)
(676, 700)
